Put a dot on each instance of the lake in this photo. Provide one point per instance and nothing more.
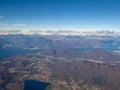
(35, 85)
(4, 53)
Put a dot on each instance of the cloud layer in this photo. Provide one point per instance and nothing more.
(1, 17)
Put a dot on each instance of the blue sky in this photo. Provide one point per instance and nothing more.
(60, 14)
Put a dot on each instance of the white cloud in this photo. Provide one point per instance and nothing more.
(20, 25)
(1, 17)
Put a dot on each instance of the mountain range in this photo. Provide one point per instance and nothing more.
(59, 32)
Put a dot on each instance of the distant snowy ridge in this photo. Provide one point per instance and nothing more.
(76, 33)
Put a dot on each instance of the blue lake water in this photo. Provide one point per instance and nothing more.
(35, 85)
(4, 53)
